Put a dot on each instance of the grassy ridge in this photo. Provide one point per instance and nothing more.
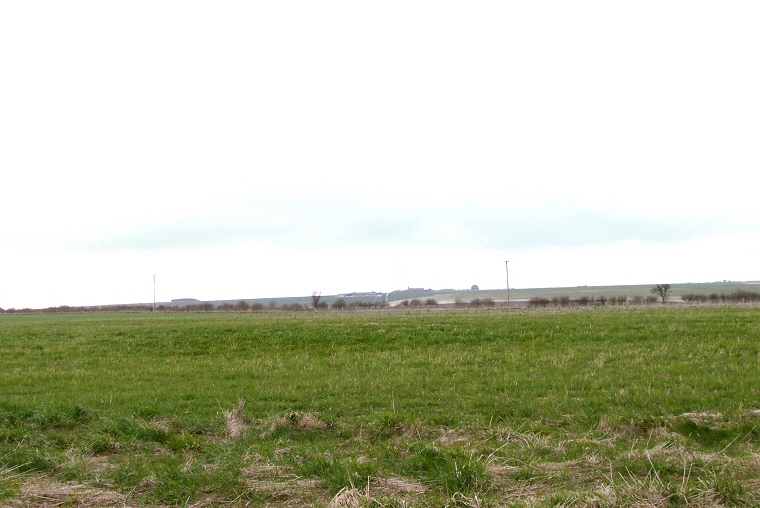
(452, 407)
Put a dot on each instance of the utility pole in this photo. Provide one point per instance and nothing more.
(507, 264)
(154, 293)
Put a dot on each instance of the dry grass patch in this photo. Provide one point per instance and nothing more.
(47, 493)
(575, 466)
(305, 421)
(527, 440)
(397, 487)
(502, 472)
(235, 420)
(99, 463)
(282, 485)
(403, 491)
(310, 421)
(294, 490)
(452, 437)
(396, 490)
(704, 418)
(350, 498)
(270, 425)
(265, 471)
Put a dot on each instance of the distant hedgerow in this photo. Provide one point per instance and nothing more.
(483, 302)
(744, 296)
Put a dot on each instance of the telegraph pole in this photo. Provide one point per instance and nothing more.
(507, 264)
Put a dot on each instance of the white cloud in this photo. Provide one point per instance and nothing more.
(171, 131)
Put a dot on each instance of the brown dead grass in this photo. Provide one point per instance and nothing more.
(282, 485)
(350, 498)
(265, 471)
(397, 487)
(42, 492)
(100, 463)
(575, 466)
(270, 425)
(310, 422)
(502, 472)
(293, 489)
(703, 418)
(235, 420)
(452, 437)
(586, 481)
(306, 421)
(400, 490)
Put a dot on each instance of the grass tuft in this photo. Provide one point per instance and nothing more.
(451, 470)
(235, 420)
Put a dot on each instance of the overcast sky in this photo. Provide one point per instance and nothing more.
(263, 149)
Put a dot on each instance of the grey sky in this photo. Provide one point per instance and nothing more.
(261, 149)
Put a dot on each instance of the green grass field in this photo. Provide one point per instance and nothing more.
(632, 407)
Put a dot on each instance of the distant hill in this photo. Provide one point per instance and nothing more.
(524, 294)
(444, 296)
(500, 294)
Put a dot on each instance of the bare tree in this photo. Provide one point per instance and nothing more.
(315, 296)
(661, 290)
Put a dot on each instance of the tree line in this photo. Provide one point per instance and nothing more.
(591, 301)
(240, 306)
(735, 297)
